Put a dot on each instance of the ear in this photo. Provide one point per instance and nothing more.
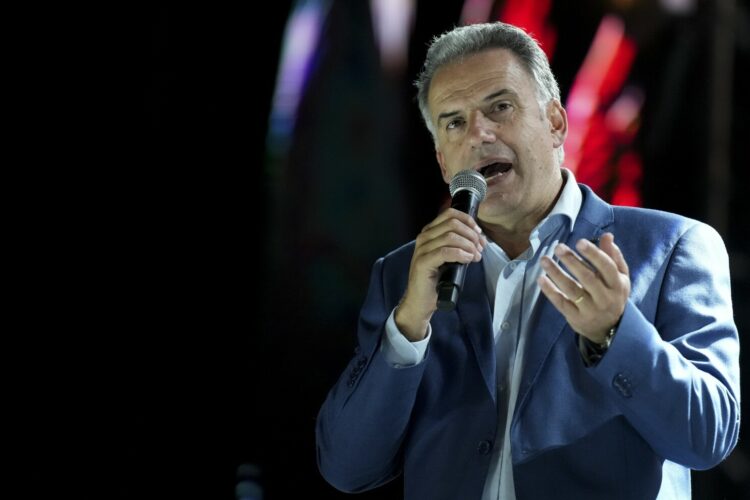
(558, 120)
(443, 169)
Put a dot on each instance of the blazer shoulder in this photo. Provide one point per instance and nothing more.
(400, 255)
(647, 235)
(647, 221)
(641, 222)
(391, 271)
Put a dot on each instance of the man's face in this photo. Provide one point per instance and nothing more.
(487, 118)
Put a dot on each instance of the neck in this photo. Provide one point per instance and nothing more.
(513, 235)
(513, 241)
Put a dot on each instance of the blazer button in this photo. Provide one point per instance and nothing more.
(484, 447)
(622, 384)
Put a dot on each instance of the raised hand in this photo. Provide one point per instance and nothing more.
(591, 297)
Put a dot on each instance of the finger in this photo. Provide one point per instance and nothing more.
(583, 272)
(570, 288)
(600, 261)
(557, 297)
(441, 255)
(455, 226)
(461, 223)
(609, 247)
(452, 213)
(451, 239)
(450, 233)
(431, 260)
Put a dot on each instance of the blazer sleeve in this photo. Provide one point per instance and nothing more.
(362, 423)
(677, 380)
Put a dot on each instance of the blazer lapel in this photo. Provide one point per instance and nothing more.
(548, 323)
(474, 314)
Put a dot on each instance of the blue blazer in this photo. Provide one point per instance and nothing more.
(665, 399)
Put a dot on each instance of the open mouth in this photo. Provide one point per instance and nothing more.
(494, 169)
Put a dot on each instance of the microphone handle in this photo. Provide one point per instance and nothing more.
(452, 274)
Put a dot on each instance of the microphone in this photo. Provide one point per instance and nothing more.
(467, 189)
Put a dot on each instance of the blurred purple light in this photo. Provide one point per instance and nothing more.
(392, 24)
(297, 54)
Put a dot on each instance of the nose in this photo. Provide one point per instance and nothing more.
(481, 129)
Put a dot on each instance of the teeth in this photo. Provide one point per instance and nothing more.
(494, 169)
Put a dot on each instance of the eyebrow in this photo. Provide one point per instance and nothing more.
(450, 114)
(498, 94)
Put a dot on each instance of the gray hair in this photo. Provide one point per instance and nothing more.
(464, 41)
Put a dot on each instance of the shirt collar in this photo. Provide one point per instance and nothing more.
(565, 210)
(564, 213)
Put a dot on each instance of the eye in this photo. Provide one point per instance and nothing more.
(454, 124)
(500, 106)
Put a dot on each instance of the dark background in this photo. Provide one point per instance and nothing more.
(260, 261)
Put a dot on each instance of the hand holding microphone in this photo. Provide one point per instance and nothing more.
(467, 189)
(443, 249)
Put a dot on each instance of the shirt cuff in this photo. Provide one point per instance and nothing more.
(397, 350)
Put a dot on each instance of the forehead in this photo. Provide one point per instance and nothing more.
(476, 76)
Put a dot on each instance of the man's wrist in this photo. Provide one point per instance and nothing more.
(604, 345)
(413, 330)
(592, 352)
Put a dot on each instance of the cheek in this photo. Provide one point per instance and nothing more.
(453, 156)
(541, 155)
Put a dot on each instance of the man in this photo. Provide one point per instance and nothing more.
(592, 353)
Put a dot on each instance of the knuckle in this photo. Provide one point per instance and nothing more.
(590, 274)
(455, 237)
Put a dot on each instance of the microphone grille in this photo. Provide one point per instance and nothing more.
(468, 180)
